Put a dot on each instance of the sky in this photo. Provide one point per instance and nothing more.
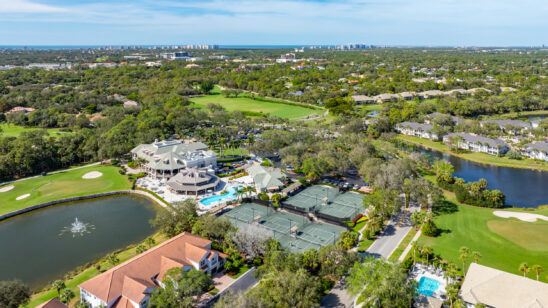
(267, 22)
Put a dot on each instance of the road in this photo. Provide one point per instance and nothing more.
(245, 281)
(391, 236)
(337, 297)
(387, 242)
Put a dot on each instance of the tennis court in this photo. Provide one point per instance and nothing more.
(320, 234)
(247, 212)
(294, 232)
(312, 197)
(342, 206)
(283, 222)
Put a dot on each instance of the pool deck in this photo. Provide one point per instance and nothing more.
(420, 270)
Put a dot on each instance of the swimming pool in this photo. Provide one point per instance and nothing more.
(229, 195)
(427, 286)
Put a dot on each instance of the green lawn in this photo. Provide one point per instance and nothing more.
(10, 130)
(255, 107)
(228, 152)
(478, 157)
(503, 243)
(61, 185)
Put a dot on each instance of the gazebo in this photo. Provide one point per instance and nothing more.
(193, 181)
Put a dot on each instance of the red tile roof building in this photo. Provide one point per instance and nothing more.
(131, 283)
(52, 303)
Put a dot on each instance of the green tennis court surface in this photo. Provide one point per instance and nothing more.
(294, 232)
(327, 200)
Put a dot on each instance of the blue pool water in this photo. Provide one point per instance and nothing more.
(229, 195)
(427, 286)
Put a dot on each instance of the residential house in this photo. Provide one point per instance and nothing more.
(417, 130)
(407, 95)
(386, 97)
(434, 115)
(52, 303)
(265, 178)
(536, 150)
(509, 126)
(363, 99)
(25, 110)
(167, 158)
(495, 288)
(430, 94)
(476, 143)
(130, 103)
(131, 283)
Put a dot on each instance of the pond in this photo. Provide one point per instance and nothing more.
(44, 245)
(523, 187)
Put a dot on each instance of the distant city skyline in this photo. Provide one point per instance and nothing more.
(264, 22)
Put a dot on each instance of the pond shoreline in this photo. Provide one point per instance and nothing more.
(465, 157)
(80, 198)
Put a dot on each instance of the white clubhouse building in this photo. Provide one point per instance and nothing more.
(167, 158)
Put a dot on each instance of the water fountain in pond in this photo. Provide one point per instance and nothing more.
(78, 228)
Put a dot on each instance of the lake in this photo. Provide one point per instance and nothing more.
(524, 188)
(39, 247)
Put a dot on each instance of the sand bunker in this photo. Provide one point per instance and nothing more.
(6, 188)
(521, 216)
(22, 197)
(92, 175)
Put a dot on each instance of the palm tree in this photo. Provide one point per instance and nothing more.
(463, 257)
(113, 259)
(414, 246)
(537, 269)
(476, 255)
(149, 241)
(452, 291)
(427, 250)
(524, 267)
(451, 271)
(275, 198)
(66, 296)
(59, 285)
(140, 249)
(240, 192)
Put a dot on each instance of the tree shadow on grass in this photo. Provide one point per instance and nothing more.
(445, 207)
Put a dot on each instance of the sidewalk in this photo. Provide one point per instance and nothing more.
(404, 253)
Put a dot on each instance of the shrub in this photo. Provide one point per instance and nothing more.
(348, 239)
(133, 164)
(429, 228)
(513, 155)
(263, 196)
(367, 233)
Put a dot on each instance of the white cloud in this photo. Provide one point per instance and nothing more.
(376, 21)
(23, 6)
